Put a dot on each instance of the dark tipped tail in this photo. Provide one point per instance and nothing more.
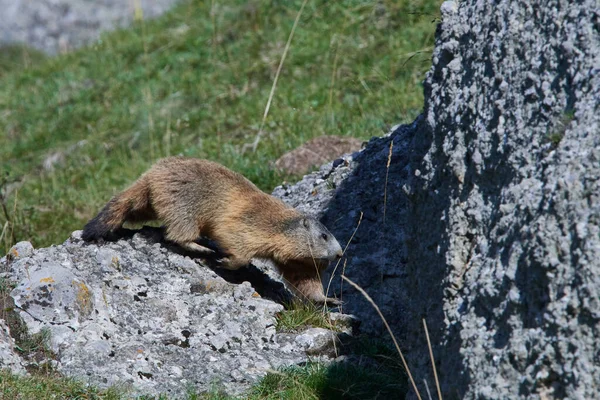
(103, 224)
(131, 205)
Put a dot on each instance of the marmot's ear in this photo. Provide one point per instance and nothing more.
(305, 222)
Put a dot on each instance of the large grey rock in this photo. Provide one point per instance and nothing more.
(59, 25)
(137, 313)
(505, 214)
(492, 206)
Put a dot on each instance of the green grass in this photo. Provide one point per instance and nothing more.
(17, 57)
(337, 381)
(311, 382)
(557, 132)
(39, 387)
(299, 315)
(53, 386)
(196, 82)
(377, 375)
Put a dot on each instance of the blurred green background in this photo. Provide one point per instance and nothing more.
(77, 128)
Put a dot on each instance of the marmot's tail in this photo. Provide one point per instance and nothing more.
(131, 205)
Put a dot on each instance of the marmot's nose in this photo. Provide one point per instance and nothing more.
(339, 254)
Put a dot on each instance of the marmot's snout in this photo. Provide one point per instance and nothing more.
(323, 244)
(336, 249)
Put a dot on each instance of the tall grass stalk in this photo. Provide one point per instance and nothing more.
(272, 93)
(387, 326)
(437, 382)
(343, 253)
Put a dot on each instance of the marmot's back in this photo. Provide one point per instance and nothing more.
(187, 188)
(184, 188)
(200, 178)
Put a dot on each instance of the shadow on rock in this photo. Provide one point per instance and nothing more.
(365, 369)
(377, 204)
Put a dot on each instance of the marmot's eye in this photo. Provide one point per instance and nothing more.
(324, 236)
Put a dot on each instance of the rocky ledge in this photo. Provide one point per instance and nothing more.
(137, 312)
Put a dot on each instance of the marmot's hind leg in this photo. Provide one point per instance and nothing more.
(234, 256)
(185, 234)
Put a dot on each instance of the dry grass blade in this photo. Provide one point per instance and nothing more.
(437, 383)
(387, 170)
(332, 85)
(342, 287)
(414, 54)
(344, 252)
(11, 224)
(138, 11)
(387, 326)
(427, 389)
(4, 230)
(7, 216)
(331, 279)
(285, 51)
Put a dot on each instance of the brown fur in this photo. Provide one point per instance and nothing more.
(196, 198)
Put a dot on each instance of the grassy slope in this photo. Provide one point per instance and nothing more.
(196, 82)
(39, 387)
(311, 382)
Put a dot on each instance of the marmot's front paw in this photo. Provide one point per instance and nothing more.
(196, 248)
(231, 263)
(331, 301)
(223, 262)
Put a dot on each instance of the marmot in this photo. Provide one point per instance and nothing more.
(195, 198)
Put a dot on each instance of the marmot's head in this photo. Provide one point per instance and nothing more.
(311, 240)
